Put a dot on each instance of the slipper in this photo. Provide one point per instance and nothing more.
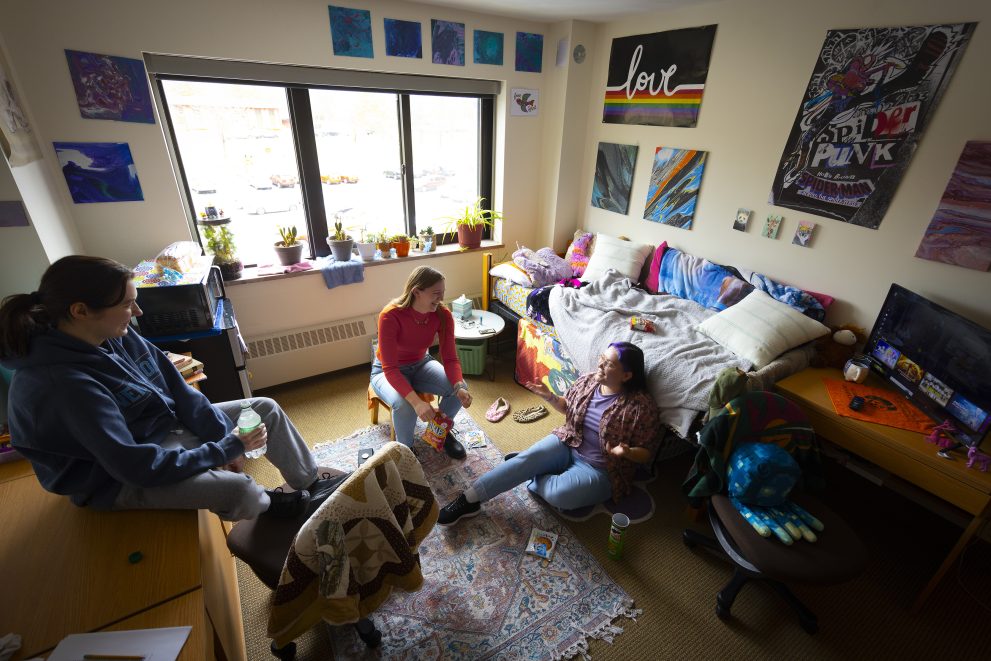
(531, 414)
(497, 411)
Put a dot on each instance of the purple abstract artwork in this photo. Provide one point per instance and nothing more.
(447, 42)
(960, 230)
(110, 87)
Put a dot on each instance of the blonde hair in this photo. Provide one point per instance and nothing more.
(422, 277)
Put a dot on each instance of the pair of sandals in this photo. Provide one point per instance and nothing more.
(500, 408)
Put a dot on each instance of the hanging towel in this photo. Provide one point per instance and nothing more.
(341, 273)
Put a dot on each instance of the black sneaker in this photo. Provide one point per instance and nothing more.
(510, 456)
(457, 509)
(453, 447)
(287, 505)
(325, 485)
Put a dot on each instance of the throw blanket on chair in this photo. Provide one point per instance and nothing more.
(359, 544)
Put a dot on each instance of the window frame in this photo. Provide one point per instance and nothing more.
(297, 81)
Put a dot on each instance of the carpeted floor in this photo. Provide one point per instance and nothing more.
(675, 587)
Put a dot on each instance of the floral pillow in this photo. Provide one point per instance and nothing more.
(579, 252)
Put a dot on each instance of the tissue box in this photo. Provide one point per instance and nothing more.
(461, 308)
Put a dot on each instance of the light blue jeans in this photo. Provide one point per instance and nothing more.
(556, 473)
(425, 375)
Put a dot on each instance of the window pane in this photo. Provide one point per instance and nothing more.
(237, 151)
(357, 135)
(445, 157)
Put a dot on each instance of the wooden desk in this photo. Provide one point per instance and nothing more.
(900, 452)
(65, 569)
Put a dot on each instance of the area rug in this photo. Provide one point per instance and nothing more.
(483, 597)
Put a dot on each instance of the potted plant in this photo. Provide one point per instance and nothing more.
(383, 241)
(340, 243)
(220, 243)
(401, 243)
(471, 222)
(428, 239)
(290, 248)
(365, 246)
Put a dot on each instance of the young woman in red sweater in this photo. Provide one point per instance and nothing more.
(402, 367)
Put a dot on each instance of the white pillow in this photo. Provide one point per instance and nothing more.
(760, 329)
(511, 272)
(612, 253)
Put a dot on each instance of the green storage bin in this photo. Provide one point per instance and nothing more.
(472, 354)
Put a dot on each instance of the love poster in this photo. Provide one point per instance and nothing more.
(867, 104)
(658, 79)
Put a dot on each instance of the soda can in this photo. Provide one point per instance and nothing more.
(617, 535)
(641, 324)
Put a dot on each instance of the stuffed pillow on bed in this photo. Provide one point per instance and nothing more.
(697, 279)
(512, 272)
(625, 257)
(760, 328)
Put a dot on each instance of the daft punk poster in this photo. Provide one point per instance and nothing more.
(870, 97)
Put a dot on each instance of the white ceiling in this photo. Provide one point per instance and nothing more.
(550, 11)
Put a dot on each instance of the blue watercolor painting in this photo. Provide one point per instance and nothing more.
(403, 38)
(674, 186)
(447, 42)
(99, 171)
(488, 47)
(614, 177)
(529, 51)
(351, 31)
(110, 87)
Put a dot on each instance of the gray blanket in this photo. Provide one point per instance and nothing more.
(681, 362)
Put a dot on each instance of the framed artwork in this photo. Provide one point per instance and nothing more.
(524, 102)
(804, 233)
(674, 186)
(742, 219)
(447, 42)
(871, 94)
(613, 182)
(99, 171)
(110, 87)
(771, 226)
(960, 230)
(16, 139)
(351, 31)
(488, 47)
(529, 51)
(13, 214)
(658, 79)
(403, 38)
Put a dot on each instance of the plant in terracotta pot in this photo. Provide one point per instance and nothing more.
(340, 243)
(220, 243)
(383, 241)
(428, 239)
(401, 243)
(290, 248)
(471, 222)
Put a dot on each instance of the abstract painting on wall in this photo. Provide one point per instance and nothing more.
(960, 230)
(403, 38)
(803, 235)
(447, 42)
(351, 31)
(771, 227)
(658, 79)
(99, 171)
(614, 177)
(529, 51)
(524, 102)
(488, 47)
(866, 107)
(110, 87)
(674, 186)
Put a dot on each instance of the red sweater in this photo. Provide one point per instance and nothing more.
(403, 341)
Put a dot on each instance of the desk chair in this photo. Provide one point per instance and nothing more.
(837, 556)
(374, 403)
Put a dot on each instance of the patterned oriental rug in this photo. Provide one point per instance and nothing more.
(483, 597)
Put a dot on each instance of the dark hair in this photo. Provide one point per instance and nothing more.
(631, 358)
(96, 281)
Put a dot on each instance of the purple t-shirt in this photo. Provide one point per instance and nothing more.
(591, 449)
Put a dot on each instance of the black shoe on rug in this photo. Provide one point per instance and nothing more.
(287, 505)
(453, 447)
(510, 456)
(457, 509)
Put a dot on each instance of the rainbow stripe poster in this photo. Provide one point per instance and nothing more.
(658, 79)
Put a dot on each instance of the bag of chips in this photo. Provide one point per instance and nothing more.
(437, 429)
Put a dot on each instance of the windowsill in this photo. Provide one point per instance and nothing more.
(250, 274)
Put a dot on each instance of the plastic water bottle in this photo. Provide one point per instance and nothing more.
(247, 422)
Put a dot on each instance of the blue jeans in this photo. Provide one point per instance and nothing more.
(557, 474)
(425, 375)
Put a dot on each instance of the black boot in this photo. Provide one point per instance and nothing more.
(453, 447)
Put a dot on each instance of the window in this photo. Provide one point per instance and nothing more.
(379, 152)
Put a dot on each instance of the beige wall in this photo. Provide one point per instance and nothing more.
(761, 62)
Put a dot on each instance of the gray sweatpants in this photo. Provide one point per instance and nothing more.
(231, 496)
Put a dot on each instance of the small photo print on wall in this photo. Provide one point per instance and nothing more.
(351, 31)
(529, 51)
(771, 226)
(403, 38)
(99, 171)
(804, 233)
(110, 87)
(741, 220)
(614, 177)
(447, 42)
(488, 47)
(524, 102)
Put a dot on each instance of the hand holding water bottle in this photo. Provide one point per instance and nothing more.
(251, 431)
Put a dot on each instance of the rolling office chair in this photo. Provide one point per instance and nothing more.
(837, 556)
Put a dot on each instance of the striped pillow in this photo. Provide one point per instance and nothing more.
(760, 329)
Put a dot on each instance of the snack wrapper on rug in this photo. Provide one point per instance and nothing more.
(542, 544)
(436, 432)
